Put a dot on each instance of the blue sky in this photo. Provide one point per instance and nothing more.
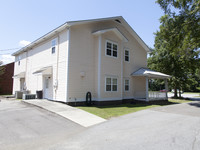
(27, 20)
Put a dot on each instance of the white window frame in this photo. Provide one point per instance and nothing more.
(126, 84)
(53, 45)
(126, 55)
(111, 83)
(18, 59)
(112, 43)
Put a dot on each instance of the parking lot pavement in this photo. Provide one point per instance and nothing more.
(28, 127)
(174, 127)
(194, 96)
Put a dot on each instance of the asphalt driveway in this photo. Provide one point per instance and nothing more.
(175, 127)
(25, 127)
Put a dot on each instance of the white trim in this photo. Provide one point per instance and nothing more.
(99, 68)
(122, 70)
(112, 77)
(67, 62)
(126, 49)
(54, 40)
(71, 23)
(128, 84)
(147, 89)
(111, 49)
(115, 30)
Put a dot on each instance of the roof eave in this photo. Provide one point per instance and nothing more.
(41, 39)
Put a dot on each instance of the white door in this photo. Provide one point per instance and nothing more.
(22, 84)
(46, 87)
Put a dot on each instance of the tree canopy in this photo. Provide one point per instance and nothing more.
(177, 43)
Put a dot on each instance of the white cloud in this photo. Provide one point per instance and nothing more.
(7, 59)
(23, 43)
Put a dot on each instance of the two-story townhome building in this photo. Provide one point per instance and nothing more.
(102, 56)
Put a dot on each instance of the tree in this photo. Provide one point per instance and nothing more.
(177, 43)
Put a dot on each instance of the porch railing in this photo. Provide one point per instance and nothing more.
(157, 95)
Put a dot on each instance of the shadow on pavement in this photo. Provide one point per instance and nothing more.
(197, 104)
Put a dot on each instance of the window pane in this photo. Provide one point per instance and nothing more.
(108, 52)
(53, 43)
(114, 87)
(108, 81)
(126, 88)
(109, 45)
(115, 81)
(126, 52)
(108, 87)
(126, 58)
(127, 82)
(115, 53)
(114, 47)
(53, 50)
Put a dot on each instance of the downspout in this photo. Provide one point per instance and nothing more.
(67, 62)
(122, 70)
(26, 71)
(147, 88)
(57, 65)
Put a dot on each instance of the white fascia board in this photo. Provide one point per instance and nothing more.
(70, 23)
(42, 39)
(115, 30)
(136, 36)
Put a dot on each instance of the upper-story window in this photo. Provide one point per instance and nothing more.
(53, 46)
(18, 59)
(111, 49)
(126, 55)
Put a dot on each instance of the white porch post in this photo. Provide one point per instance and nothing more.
(99, 68)
(147, 89)
(166, 88)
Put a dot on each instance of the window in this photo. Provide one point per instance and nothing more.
(19, 58)
(126, 85)
(111, 49)
(126, 55)
(111, 84)
(53, 46)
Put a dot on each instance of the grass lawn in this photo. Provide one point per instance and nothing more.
(119, 110)
(191, 93)
(178, 101)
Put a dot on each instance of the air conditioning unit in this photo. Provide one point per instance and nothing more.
(29, 96)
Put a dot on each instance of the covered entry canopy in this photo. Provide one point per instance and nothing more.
(44, 71)
(150, 73)
(19, 75)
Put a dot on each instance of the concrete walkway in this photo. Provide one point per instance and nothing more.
(79, 116)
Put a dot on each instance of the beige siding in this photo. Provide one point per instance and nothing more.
(40, 56)
(83, 57)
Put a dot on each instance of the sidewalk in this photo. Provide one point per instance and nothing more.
(79, 116)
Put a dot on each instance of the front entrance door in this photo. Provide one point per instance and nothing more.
(22, 84)
(47, 87)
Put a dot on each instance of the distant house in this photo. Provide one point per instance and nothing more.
(6, 80)
(102, 56)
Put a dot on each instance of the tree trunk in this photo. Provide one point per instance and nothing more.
(180, 93)
(175, 92)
